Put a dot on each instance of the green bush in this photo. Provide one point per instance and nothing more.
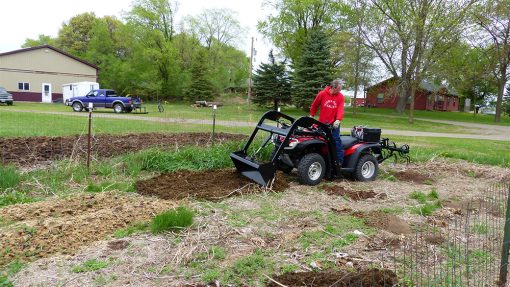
(9, 177)
(173, 220)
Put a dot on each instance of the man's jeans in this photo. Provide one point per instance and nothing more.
(338, 144)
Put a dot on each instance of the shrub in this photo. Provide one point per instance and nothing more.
(173, 220)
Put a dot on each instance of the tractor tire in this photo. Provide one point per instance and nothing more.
(311, 169)
(280, 165)
(366, 168)
(118, 108)
(77, 107)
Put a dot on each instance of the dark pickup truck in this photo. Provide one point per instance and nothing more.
(103, 98)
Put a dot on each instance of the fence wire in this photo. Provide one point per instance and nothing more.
(461, 248)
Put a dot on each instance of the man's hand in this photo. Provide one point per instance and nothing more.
(336, 124)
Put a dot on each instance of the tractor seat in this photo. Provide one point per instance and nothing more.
(348, 141)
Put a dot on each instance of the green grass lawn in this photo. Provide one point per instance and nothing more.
(433, 115)
(231, 112)
(473, 150)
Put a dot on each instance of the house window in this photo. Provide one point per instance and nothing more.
(24, 86)
(380, 98)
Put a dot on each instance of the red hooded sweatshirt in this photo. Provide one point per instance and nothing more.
(331, 106)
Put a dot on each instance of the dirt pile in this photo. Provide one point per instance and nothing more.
(388, 222)
(42, 229)
(25, 151)
(371, 277)
(355, 195)
(210, 185)
(412, 176)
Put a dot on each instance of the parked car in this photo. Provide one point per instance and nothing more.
(5, 97)
(101, 98)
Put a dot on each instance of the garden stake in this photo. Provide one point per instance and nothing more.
(89, 136)
(214, 122)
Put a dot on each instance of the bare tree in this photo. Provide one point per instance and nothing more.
(493, 18)
(215, 25)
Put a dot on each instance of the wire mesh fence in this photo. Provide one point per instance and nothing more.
(460, 247)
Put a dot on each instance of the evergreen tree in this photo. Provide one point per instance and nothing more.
(271, 84)
(313, 71)
(201, 87)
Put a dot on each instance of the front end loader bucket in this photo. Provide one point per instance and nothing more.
(261, 173)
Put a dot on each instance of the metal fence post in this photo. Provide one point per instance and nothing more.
(503, 268)
(215, 107)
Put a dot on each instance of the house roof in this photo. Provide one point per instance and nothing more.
(52, 48)
(424, 85)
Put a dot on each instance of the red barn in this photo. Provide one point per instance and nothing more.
(428, 96)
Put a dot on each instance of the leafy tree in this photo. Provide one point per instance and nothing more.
(107, 50)
(271, 83)
(468, 70)
(151, 23)
(201, 87)
(41, 40)
(354, 60)
(410, 36)
(493, 18)
(313, 71)
(74, 36)
(294, 19)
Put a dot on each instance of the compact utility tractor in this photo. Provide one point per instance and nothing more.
(308, 145)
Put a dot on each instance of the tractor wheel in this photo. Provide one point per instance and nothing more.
(280, 165)
(366, 168)
(77, 107)
(311, 169)
(118, 108)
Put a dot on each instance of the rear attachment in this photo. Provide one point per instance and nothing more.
(390, 149)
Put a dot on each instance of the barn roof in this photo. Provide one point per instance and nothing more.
(52, 48)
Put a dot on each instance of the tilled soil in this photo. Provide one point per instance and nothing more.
(414, 177)
(355, 195)
(371, 277)
(26, 151)
(388, 222)
(210, 185)
(43, 229)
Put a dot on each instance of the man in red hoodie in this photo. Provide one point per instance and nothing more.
(330, 103)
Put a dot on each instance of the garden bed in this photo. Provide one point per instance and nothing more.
(26, 151)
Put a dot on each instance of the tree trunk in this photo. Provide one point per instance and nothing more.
(501, 92)
(403, 93)
(411, 105)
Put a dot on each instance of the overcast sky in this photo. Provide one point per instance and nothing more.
(21, 19)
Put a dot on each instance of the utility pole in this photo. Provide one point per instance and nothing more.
(251, 68)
